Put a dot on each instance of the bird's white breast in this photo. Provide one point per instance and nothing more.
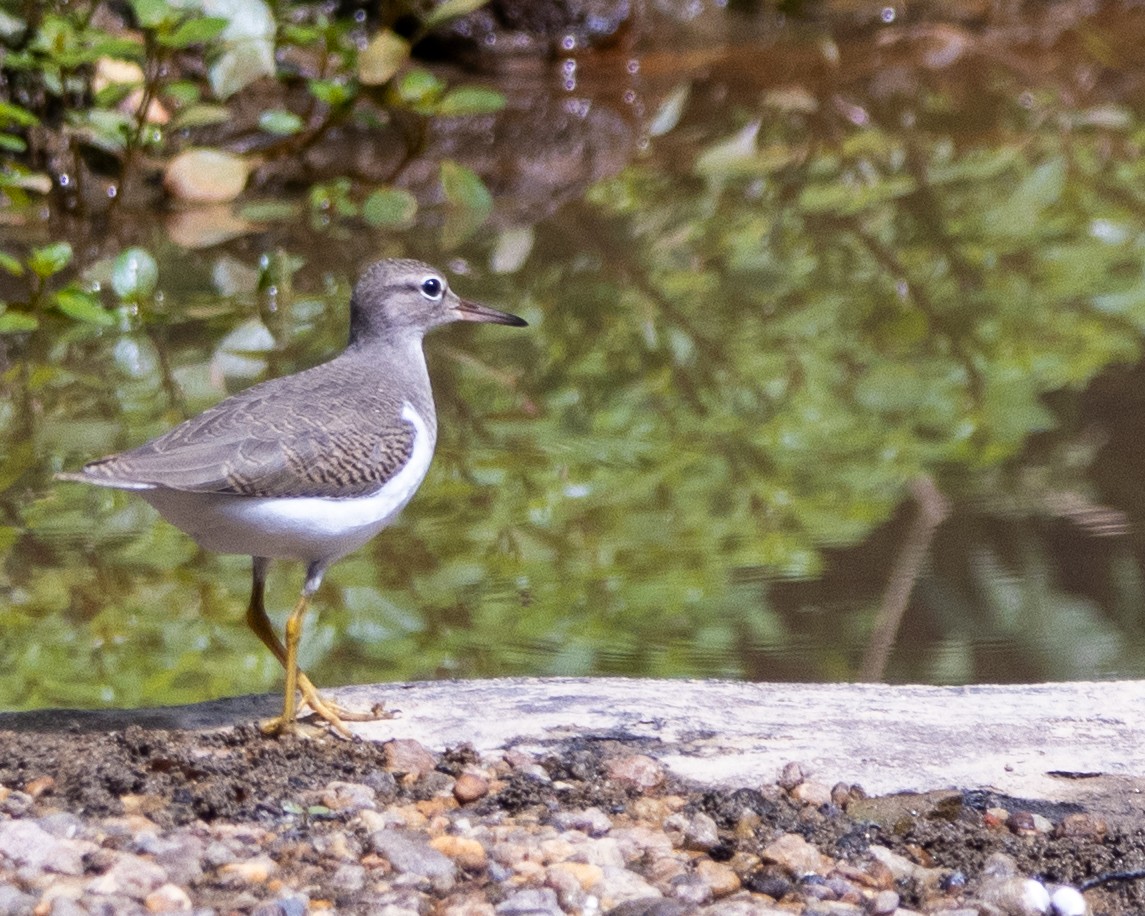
(304, 528)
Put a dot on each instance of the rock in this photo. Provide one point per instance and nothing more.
(796, 856)
(408, 757)
(168, 898)
(531, 901)
(1068, 901)
(469, 787)
(590, 821)
(348, 878)
(466, 852)
(619, 884)
(717, 876)
(586, 875)
(697, 831)
(636, 770)
(350, 797)
(814, 794)
(14, 902)
(293, 905)
(250, 871)
(25, 843)
(1015, 896)
(884, 902)
(411, 854)
(790, 776)
(132, 876)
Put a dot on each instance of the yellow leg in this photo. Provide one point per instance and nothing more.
(261, 626)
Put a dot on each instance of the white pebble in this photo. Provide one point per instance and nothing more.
(1068, 901)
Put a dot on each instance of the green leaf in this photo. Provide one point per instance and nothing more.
(17, 323)
(81, 305)
(12, 143)
(471, 100)
(151, 14)
(389, 207)
(11, 264)
(464, 188)
(15, 114)
(382, 58)
(420, 87)
(280, 123)
(451, 9)
(202, 115)
(331, 92)
(194, 32)
(134, 274)
(50, 259)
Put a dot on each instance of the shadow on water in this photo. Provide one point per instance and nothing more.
(832, 374)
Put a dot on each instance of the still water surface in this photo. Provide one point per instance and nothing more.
(833, 372)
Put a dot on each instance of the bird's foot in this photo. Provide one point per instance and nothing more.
(336, 714)
(280, 726)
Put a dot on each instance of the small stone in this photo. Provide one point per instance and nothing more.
(350, 797)
(636, 770)
(699, 831)
(469, 787)
(348, 878)
(410, 853)
(14, 902)
(884, 902)
(995, 817)
(690, 889)
(466, 852)
(1026, 823)
(25, 843)
(796, 855)
(531, 901)
(293, 905)
(722, 880)
(251, 871)
(38, 786)
(590, 821)
(1068, 901)
(130, 875)
(1082, 825)
(841, 795)
(588, 876)
(619, 884)
(814, 794)
(168, 898)
(570, 895)
(409, 757)
(1016, 896)
(790, 776)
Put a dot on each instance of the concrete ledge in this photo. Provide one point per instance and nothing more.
(1057, 742)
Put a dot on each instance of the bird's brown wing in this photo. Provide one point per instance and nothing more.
(248, 445)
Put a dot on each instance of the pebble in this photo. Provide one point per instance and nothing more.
(531, 901)
(168, 898)
(720, 878)
(811, 793)
(796, 855)
(250, 871)
(411, 854)
(636, 770)
(132, 876)
(469, 787)
(590, 821)
(466, 852)
(27, 844)
(349, 796)
(1068, 901)
(408, 757)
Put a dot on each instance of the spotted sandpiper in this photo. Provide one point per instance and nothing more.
(308, 466)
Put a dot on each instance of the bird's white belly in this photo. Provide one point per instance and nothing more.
(304, 528)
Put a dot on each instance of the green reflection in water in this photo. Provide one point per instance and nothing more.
(745, 348)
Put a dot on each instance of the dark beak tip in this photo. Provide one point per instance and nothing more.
(474, 311)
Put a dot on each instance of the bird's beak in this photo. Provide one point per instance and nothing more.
(475, 311)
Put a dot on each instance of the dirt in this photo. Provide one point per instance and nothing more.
(238, 776)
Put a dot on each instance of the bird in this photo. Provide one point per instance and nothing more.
(309, 466)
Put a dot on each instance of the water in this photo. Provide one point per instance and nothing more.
(791, 286)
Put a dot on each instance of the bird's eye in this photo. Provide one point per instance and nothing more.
(432, 288)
